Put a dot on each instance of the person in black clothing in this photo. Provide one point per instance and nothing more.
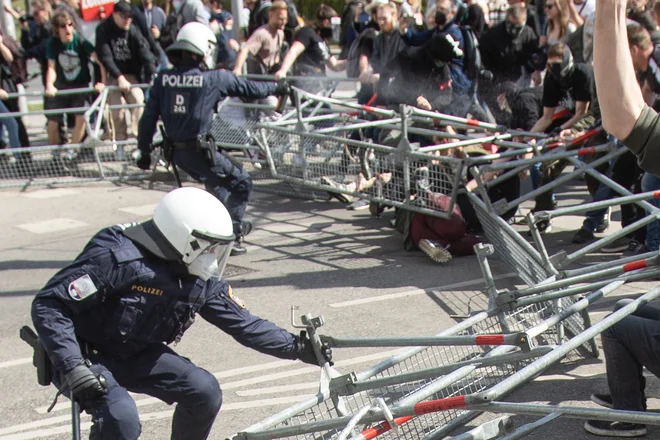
(36, 31)
(310, 51)
(388, 44)
(508, 47)
(568, 84)
(425, 66)
(347, 33)
(507, 51)
(358, 62)
(124, 54)
(524, 104)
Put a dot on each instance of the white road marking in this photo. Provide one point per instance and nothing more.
(15, 362)
(416, 292)
(278, 390)
(53, 225)
(236, 384)
(51, 193)
(15, 433)
(141, 211)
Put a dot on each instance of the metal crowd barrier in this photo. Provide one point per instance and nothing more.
(429, 391)
(366, 152)
(94, 159)
(91, 160)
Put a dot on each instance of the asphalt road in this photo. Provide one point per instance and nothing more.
(346, 266)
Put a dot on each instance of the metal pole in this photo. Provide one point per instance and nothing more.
(75, 419)
(541, 364)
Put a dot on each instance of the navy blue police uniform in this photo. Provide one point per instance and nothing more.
(185, 99)
(117, 307)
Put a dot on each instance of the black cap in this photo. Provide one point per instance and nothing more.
(123, 7)
(147, 236)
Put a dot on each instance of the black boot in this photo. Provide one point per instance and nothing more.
(238, 249)
(242, 229)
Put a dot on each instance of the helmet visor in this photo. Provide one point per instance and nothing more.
(211, 261)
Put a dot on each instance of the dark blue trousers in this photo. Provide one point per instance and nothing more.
(160, 373)
(230, 184)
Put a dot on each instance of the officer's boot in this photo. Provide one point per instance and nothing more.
(244, 229)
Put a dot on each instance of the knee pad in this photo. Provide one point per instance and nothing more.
(205, 393)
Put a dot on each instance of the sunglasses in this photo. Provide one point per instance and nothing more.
(125, 15)
(65, 25)
(549, 6)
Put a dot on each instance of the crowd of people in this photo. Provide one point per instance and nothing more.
(519, 65)
(522, 65)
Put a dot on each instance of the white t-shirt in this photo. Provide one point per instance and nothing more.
(585, 8)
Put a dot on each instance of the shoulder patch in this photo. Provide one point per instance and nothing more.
(239, 302)
(82, 287)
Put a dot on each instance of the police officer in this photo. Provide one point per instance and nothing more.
(133, 290)
(185, 97)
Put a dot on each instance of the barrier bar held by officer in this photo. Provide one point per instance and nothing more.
(110, 316)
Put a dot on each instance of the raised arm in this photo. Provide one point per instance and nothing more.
(619, 94)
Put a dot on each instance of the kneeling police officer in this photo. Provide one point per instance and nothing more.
(106, 319)
(185, 98)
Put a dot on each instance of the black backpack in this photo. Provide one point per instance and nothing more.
(353, 57)
(472, 65)
(173, 24)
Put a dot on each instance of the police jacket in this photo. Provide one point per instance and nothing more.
(185, 98)
(118, 299)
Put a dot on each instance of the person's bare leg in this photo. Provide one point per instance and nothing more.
(78, 130)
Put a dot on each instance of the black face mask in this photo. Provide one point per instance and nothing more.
(440, 19)
(513, 29)
(563, 72)
(325, 33)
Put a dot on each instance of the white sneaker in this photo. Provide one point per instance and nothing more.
(435, 251)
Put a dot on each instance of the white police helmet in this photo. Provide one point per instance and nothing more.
(196, 38)
(197, 228)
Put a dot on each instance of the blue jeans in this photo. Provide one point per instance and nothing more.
(535, 174)
(651, 182)
(596, 217)
(628, 346)
(12, 127)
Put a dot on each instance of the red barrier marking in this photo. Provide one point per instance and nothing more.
(490, 340)
(382, 428)
(561, 114)
(368, 108)
(440, 405)
(656, 195)
(372, 99)
(473, 122)
(585, 151)
(640, 264)
(591, 133)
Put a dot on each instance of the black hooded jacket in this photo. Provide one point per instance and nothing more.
(413, 73)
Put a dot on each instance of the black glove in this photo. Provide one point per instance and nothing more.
(306, 350)
(84, 384)
(144, 161)
(283, 88)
